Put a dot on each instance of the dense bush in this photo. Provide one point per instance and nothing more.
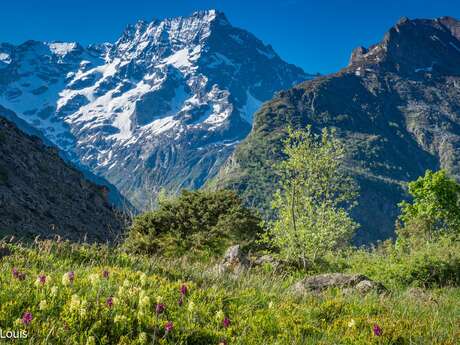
(194, 222)
(435, 207)
(433, 264)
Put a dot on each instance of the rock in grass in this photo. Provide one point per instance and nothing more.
(354, 282)
(4, 251)
(419, 294)
(234, 261)
(265, 260)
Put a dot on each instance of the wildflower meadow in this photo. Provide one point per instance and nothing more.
(62, 293)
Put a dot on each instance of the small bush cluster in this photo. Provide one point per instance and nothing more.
(434, 265)
(202, 222)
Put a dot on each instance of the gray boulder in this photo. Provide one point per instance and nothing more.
(349, 282)
(234, 261)
(264, 260)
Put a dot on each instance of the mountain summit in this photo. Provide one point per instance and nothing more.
(397, 106)
(163, 106)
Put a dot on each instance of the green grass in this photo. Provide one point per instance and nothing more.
(259, 305)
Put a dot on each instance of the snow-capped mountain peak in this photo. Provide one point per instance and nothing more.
(162, 106)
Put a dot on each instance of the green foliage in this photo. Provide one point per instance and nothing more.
(431, 264)
(200, 221)
(435, 207)
(314, 198)
(260, 307)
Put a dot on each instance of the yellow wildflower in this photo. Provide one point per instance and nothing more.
(54, 291)
(43, 305)
(94, 278)
(220, 315)
(91, 341)
(143, 278)
(143, 338)
(191, 306)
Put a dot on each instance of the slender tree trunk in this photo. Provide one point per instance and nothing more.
(293, 209)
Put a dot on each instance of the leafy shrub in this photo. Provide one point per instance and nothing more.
(433, 264)
(198, 221)
(435, 207)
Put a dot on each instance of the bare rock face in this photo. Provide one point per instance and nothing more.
(358, 55)
(349, 282)
(41, 195)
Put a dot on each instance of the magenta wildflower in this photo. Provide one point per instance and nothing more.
(109, 302)
(160, 308)
(377, 330)
(169, 326)
(226, 322)
(105, 274)
(71, 276)
(27, 318)
(18, 275)
(183, 290)
(42, 279)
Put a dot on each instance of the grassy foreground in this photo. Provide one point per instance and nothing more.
(63, 293)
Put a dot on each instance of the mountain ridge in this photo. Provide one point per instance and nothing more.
(398, 112)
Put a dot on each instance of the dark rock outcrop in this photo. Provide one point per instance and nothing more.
(41, 195)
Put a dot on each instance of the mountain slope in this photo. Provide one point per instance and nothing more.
(397, 105)
(164, 106)
(41, 195)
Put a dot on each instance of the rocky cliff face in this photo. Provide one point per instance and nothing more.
(397, 105)
(164, 106)
(41, 195)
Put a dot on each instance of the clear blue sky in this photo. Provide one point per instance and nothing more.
(317, 35)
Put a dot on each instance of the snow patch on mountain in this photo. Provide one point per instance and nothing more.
(62, 48)
(251, 106)
(5, 58)
(179, 59)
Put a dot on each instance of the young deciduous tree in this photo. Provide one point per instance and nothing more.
(314, 198)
